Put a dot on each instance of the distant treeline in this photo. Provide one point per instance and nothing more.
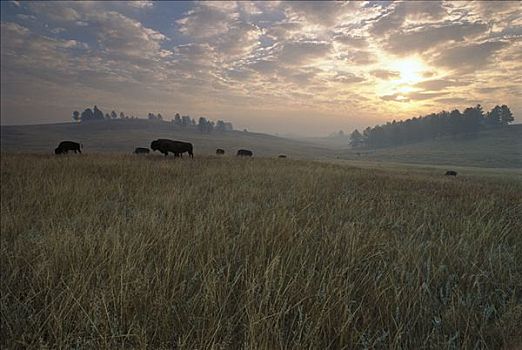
(432, 126)
(203, 124)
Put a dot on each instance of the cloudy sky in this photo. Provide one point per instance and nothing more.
(304, 67)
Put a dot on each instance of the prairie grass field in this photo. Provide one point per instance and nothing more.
(120, 251)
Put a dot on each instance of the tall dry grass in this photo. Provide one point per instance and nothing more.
(143, 252)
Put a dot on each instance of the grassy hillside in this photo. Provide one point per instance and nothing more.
(500, 148)
(124, 135)
(115, 251)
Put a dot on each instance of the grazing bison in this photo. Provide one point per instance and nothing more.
(66, 146)
(281, 156)
(177, 147)
(141, 150)
(220, 151)
(451, 173)
(244, 153)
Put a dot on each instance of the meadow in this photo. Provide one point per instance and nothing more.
(121, 251)
(493, 148)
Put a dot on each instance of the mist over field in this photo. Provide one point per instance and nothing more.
(260, 175)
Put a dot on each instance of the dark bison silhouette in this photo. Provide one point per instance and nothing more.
(451, 173)
(141, 150)
(177, 147)
(66, 146)
(281, 156)
(220, 151)
(244, 153)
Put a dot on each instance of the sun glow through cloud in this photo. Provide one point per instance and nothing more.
(411, 70)
(310, 66)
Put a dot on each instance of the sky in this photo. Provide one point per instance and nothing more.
(306, 68)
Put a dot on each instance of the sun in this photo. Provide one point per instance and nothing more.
(410, 70)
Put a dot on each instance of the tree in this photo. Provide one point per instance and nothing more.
(114, 115)
(472, 118)
(177, 120)
(97, 113)
(122, 115)
(433, 126)
(76, 115)
(107, 116)
(185, 121)
(220, 125)
(356, 138)
(151, 116)
(159, 116)
(87, 115)
(493, 116)
(229, 126)
(202, 124)
(456, 122)
(507, 116)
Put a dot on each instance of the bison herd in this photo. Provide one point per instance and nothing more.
(164, 146)
(167, 146)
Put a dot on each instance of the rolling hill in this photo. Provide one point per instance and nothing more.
(122, 136)
(494, 148)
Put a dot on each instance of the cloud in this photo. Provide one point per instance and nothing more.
(359, 57)
(439, 84)
(206, 20)
(122, 36)
(412, 96)
(395, 98)
(219, 24)
(264, 66)
(26, 52)
(140, 4)
(430, 36)
(385, 74)
(25, 17)
(283, 30)
(350, 40)
(58, 30)
(54, 11)
(493, 8)
(117, 34)
(316, 12)
(348, 78)
(327, 56)
(402, 11)
(455, 100)
(470, 57)
(424, 95)
(294, 53)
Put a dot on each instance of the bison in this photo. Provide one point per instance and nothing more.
(220, 151)
(66, 146)
(177, 147)
(244, 153)
(141, 150)
(451, 173)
